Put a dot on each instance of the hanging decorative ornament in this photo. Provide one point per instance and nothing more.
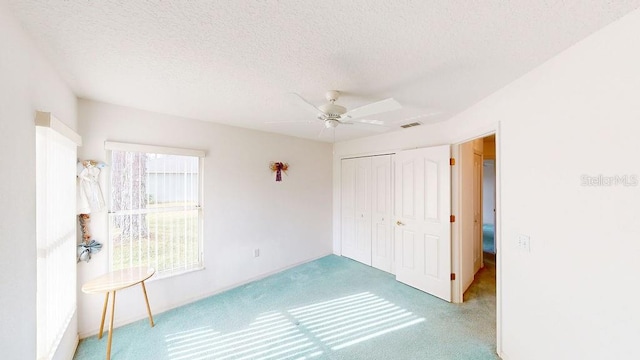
(279, 168)
(89, 193)
(85, 250)
(88, 246)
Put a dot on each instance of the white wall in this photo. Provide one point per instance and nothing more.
(244, 207)
(27, 84)
(571, 296)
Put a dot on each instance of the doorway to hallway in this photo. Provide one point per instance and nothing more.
(477, 205)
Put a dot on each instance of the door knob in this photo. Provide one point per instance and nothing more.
(399, 223)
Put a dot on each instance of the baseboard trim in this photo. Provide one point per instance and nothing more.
(130, 320)
(75, 348)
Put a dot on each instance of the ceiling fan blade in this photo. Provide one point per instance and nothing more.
(303, 103)
(289, 122)
(370, 127)
(368, 121)
(420, 116)
(378, 107)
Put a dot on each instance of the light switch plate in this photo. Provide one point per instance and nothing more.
(524, 243)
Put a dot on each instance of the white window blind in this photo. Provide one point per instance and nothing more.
(55, 231)
(155, 212)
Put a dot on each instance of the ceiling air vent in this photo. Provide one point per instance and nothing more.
(405, 126)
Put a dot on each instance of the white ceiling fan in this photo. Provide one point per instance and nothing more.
(333, 115)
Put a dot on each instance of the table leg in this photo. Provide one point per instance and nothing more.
(104, 312)
(144, 290)
(113, 308)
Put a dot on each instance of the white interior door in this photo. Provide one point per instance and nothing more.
(382, 249)
(422, 228)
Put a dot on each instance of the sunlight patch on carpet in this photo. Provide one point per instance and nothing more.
(300, 333)
(272, 334)
(353, 319)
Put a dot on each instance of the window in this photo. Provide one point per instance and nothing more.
(55, 231)
(155, 212)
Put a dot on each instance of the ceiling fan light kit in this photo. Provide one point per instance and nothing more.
(331, 123)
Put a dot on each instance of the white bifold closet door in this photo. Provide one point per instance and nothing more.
(366, 211)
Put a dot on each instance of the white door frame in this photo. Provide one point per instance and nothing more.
(456, 241)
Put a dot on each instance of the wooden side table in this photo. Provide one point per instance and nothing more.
(112, 282)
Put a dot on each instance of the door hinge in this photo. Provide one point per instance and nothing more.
(453, 276)
(452, 218)
(452, 161)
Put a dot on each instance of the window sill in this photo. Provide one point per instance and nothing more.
(174, 273)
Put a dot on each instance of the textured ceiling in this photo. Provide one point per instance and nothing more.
(234, 62)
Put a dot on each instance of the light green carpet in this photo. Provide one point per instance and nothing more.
(331, 308)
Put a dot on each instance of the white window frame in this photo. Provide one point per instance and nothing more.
(110, 146)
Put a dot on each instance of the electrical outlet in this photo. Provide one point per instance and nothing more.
(256, 252)
(524, 243)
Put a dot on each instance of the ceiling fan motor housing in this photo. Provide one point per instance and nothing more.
(332, 110)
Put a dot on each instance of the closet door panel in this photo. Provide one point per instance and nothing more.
(382, 246)
(363, 210)
(348, 208)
